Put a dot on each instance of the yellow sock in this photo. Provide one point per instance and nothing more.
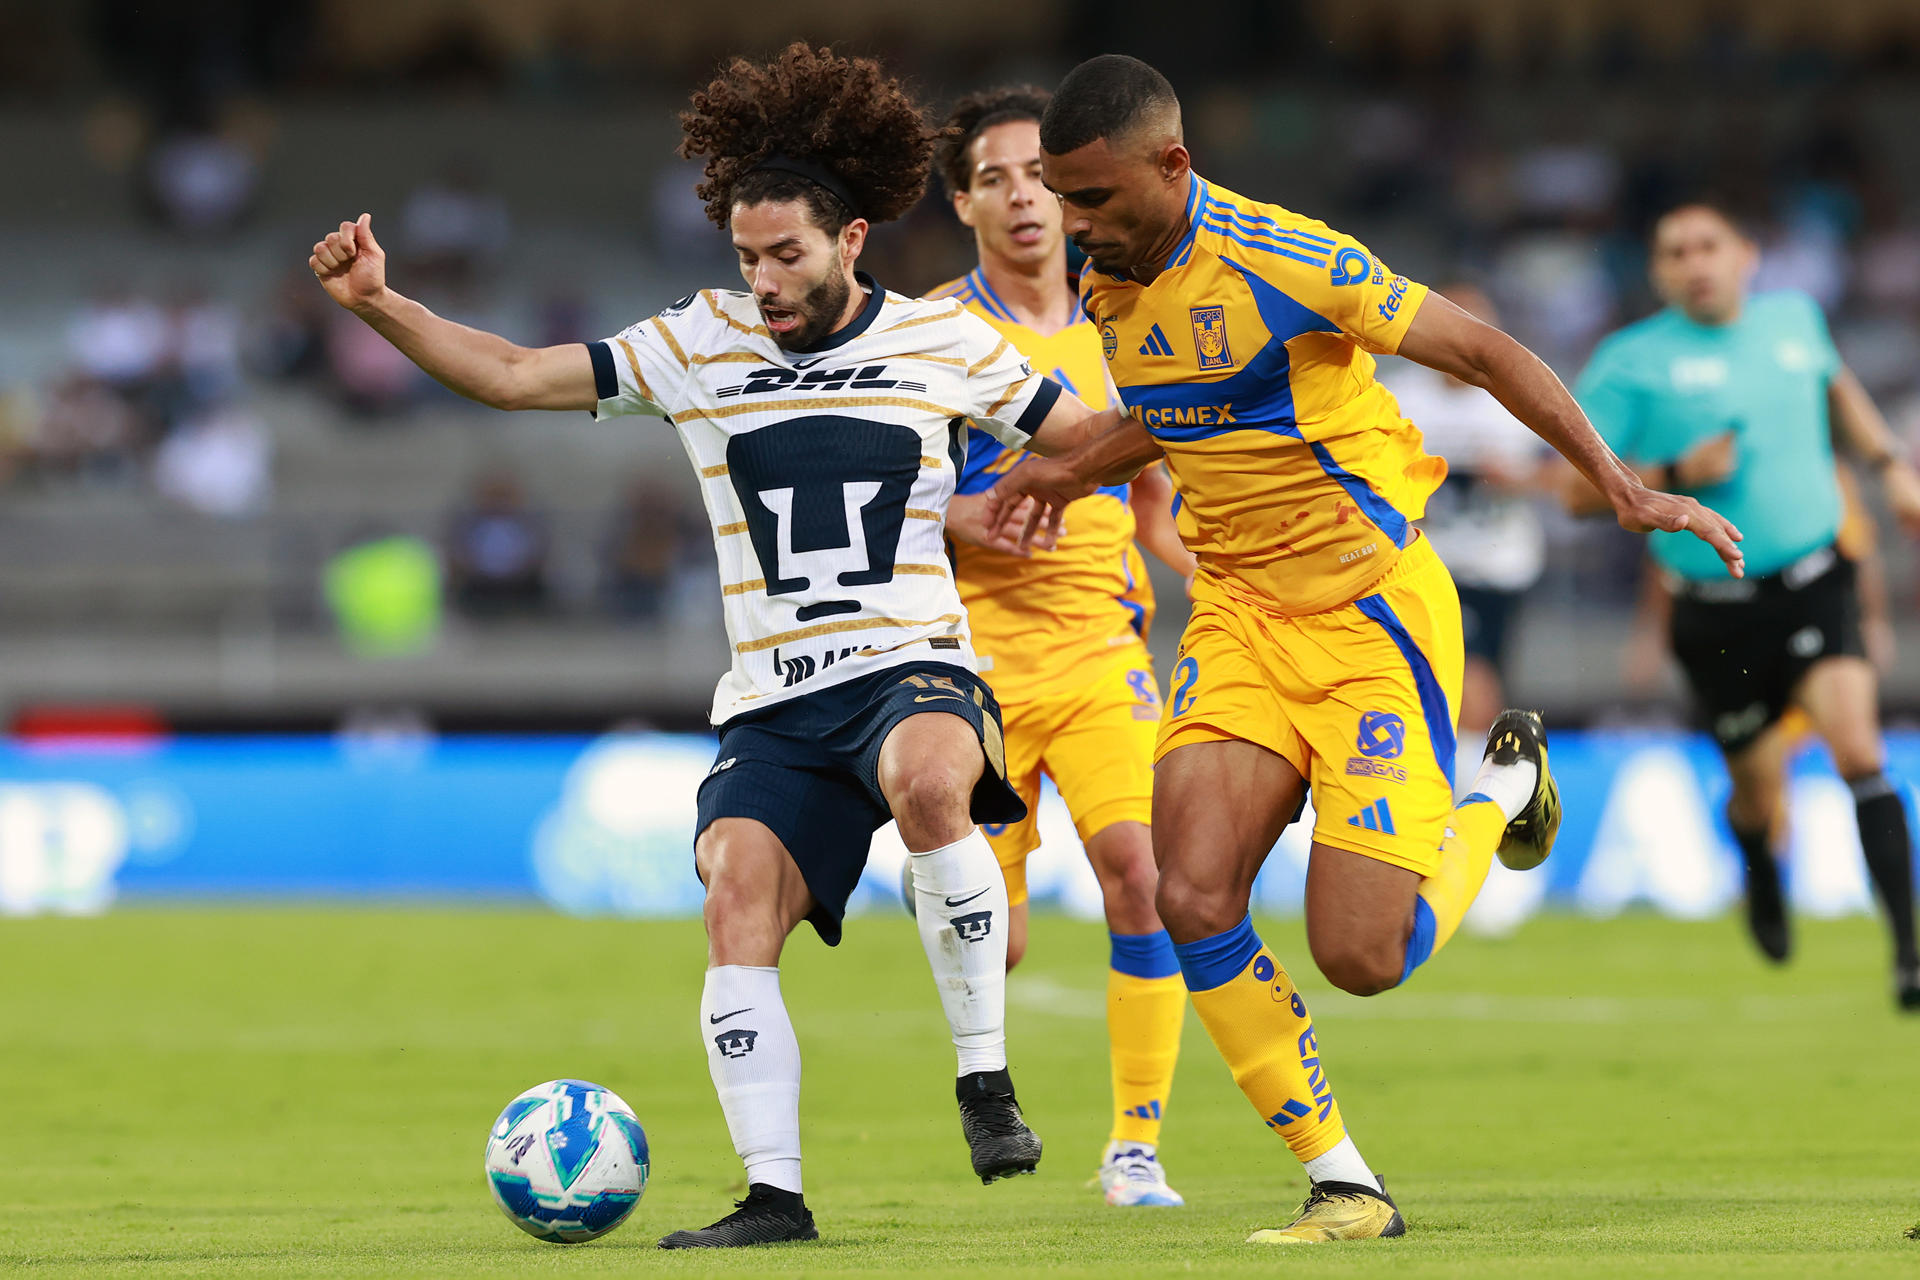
(1146, 1005)
(1473, 834)
(1260, 1025)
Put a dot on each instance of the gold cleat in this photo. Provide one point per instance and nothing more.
(1338, 1211)
(1528, 839)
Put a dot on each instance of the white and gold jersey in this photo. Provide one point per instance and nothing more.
(826, 473)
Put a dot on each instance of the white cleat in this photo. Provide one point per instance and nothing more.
(1131, 1175)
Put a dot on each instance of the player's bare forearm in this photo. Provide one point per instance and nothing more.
(1859, 423)
(1113, 457)
(1444, 337)
(1154, 527)
(352, 268)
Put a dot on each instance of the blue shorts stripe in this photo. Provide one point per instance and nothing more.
(1143, 955)
(1216, 961)
(1420, 945)
(1433, 700)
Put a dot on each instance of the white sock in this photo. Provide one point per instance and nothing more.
(1342, 1164)
(755, 1063)
(960, 903)
(1508, 785)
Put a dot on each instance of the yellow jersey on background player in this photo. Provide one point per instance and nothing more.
(1244, 358)
(1087, 595)
(1061, 634)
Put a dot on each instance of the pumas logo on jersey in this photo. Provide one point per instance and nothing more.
(1210, 337)
(767, 380)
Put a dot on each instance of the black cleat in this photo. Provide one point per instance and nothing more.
(1906, 981)
(1767, 908)
(1001, 1143)
(1528, 839)
(767, 1216)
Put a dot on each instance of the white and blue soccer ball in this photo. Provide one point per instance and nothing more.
(567, 1161)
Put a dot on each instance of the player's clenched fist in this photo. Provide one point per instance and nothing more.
(351, 265)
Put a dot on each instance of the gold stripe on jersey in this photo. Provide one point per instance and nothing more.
(757, 330)
(673, 344)
(730, 357)
(717, 469)
(741, 588)
(633, 362)
(937, 317)
(986, 361)
(921, 513)
(931, 464)
(728, 530)
(844, 625)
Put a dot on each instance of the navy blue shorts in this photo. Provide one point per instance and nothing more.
(810, 770)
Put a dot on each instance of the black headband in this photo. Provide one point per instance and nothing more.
(819, 175)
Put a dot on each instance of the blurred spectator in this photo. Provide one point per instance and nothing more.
(497, 550)
(384, 592)
(648, 549)
(87, 431)
(453, 227)
(370, 375)
(120, 340)
(290, 341)
(204, 346)
(200, 181)
(217, 462)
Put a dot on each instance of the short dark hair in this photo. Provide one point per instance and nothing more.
(1103, 97)
(1729, 211)
(844, 115)
(972, 116)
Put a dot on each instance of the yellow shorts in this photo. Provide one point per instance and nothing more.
(1359, 699)
(1094, 738)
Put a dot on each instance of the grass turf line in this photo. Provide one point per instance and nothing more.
(307, 1092)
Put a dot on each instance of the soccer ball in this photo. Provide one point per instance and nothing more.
(567, 1161)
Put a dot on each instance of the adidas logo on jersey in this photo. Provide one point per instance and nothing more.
(1156, 343)
(859, 378)
(1375, 817)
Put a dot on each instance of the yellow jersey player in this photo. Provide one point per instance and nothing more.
(1325, 642)
(1061, 632)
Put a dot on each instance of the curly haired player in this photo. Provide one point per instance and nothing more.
(822, 414)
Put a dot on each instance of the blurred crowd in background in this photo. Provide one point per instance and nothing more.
(171, 359)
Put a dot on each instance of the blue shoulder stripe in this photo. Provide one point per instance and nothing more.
(1220, 219)
(1256, 220)
(1240, 237)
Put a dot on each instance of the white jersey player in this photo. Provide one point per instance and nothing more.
(826, 419)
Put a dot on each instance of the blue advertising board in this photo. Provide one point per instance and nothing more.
(605, 825)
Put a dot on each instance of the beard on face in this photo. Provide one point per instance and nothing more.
(816, 311)
(1102, 259)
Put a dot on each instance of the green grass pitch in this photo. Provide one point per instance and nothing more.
(307, 1092)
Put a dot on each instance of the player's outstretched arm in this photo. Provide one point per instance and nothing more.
(1866, 434)
(482, 366)
(1444, 337)
(1114, 456)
